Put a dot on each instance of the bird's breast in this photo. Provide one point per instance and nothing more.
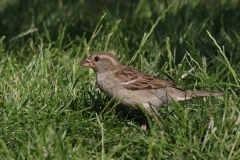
(107, 84)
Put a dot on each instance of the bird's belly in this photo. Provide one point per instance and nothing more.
(157, 98)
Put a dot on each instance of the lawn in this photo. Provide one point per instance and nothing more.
(51, 107)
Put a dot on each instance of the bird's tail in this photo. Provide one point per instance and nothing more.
(204, 94)
(181, 95)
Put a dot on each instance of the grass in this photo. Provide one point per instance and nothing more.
(51, 107)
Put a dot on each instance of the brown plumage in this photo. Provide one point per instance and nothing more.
(134, 87)
(133, 79)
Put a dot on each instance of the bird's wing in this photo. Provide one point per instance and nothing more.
(133, 79)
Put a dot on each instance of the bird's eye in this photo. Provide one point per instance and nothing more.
(96, 58)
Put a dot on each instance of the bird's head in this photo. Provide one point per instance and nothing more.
(101, 62)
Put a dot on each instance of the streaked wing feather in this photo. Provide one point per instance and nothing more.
(133, 79)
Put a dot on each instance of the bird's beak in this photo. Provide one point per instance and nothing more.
(86, 63)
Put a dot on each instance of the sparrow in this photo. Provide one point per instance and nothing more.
(134, 88)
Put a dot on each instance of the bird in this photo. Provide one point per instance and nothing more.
(134, 88)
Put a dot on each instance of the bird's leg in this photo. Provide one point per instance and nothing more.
(149, 111)
(144, 123)
(153, 116)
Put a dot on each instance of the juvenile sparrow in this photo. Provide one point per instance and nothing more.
(135, 87)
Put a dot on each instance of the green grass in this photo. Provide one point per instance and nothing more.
(51, 108)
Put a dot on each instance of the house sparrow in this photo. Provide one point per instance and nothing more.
(133, 87)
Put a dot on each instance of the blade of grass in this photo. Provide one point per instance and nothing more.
(222, 51)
